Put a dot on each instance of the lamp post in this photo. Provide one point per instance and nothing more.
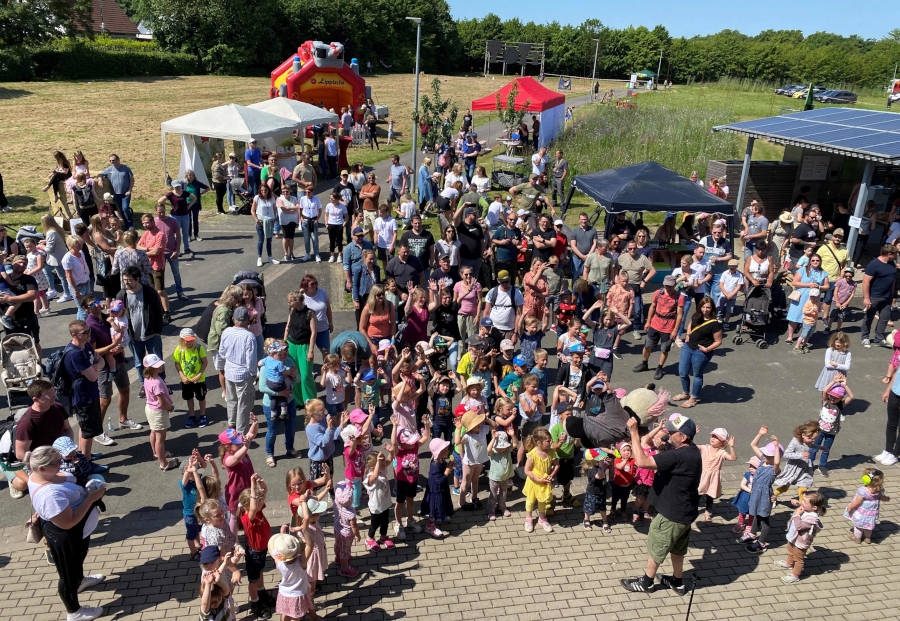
(594, 71)
(659, 66)
(415, 132)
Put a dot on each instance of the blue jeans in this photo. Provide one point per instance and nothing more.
(253, 176)
(825, 442)
(139, 349)
(260, 237)
(688, 300)
(470, 167)
(176, 273)
(184, 223)
(311, 233)
(577, 267)
(124, 204)
(83, 289)
(637, 312)
(692, 362)
(57, 270)
(714, 292)
(229, 194)
(453, 352)
(273, 427)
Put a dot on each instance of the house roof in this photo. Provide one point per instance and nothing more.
(112, 17)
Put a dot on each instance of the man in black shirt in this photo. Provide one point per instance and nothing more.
(471, 237)
(802, 236)
(544, 239)
(23, 289)
(675, 485)
(348, 194)
(405, 269)
(444, 274)
(420, 241)
(467, 120)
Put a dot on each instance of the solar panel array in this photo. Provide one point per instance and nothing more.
(866, 134)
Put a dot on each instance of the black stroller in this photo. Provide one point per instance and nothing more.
(755, 318)
(242, 196)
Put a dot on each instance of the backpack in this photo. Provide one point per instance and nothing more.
(492, 297)
(55, 370)
(8, 441)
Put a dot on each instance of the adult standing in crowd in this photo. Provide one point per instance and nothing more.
(219, 178)
(370, 195)
(68, 515)
(289, 219)
(231, 298)
(353, 254)
(891, 397)
(506, 241)
(598, 269)
(582, 242)
(539, 161)
(82, 367)
(238, 357)
(311, 211)
(171, 232)
(56, 250)
(129, 255)
(663, 319)
(153, 242)
(471, 237)
(803, 235)
(122, 180)
(196, 189)
(639, 271)
(503, 305)
(560, 172)
(348, 193)
(331, 154)
(675, 483)
(420, 241)
(406, 270)
(304, 174)
(471, 149)
(366, 274)
(467, 293)
(317, 300)
(878, 293)
(104, 251)
(834, 258)
(756, 227)
(806, 278)
(76, 270)
(253, 159)
(718, 254)
(444, 274)
(263, 213)
(181, 202)
(144, 313)
(398, 180)
(378, 320)
(703, 336)
(300, 333)
(423, 183)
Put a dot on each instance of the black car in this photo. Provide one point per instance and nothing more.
(837, 97)
(781, 91)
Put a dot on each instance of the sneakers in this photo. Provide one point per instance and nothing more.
(274, 261)
(866, 343)
(331, 258)
(104, 439)
(454, 490)
(746, 538)
(783, 564)
(790, 579)
(129, 424)
(413, 527)
(190, 422)
(637, 584)
(890, 460)
(673, 583)
(7, 322)
(85, 613)
(372, 545)
(546, 526)
(318, 259)
(658, 375)
(52, 294)
(756, 547)
(880, 457)
(64, 298)
(14, 493)
(434, 531)
(399, 532)
(386, 542)
(529, 525)
(641, 366)
(89, 581)
(617, 355)
(636, 334)
(259, 262)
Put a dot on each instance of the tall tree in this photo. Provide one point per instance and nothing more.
(35, 21)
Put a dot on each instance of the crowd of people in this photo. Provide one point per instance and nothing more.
(449, 353)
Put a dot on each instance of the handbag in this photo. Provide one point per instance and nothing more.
(795, 295)
(33, 532)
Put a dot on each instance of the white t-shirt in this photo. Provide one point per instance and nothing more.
(78, 267)
(729, 281)
(287, 217)
(451, 248)
(52, 499)
(698, 273)
(294, 581)
(335, 214)
(310, 207)
(538, 164)
(408, 209)
(449, 193)
(334, 387)
(319, 305)
(493, 214)
(265, 208)
(482, 184)
(379, 494)
(503, 306)
(450, 178)
(475, 447)
(385, 230)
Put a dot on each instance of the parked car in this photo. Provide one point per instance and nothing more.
(790, 91)
(801, 94)
(837, 97)
(784, 89)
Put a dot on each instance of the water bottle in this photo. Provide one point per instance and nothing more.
(109, 427)
(296, 65)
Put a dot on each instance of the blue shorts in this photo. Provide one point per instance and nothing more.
(806, 331)
(191, 528)
(255, 562)
(334, 409)
(323, 339)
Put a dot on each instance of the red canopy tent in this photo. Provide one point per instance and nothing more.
(547, 104)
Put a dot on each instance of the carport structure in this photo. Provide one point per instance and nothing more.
(869, 135)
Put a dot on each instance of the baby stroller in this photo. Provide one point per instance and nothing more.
(755, 317)
(242, 196)
(255, 280)
(20, 364)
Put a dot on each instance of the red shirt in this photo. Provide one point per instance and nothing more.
(625, 476)
(666, 311)
(562, 242)
(258, 531)
(294, 496)
(151, 241)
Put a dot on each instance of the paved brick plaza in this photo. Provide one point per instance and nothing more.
(496, 571)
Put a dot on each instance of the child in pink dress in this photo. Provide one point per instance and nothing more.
(713, 454)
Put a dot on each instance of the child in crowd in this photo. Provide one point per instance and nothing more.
(844, 288)
(567, 339)
(564, 447)
(405, 445)
(441, 391)
(392, 292)
(118, 322)
(191, 483)
(234, 452)
(837, 360)
(622, 478)
(863, 509)
(471, 438)
(216, 586)
(565, 312)
(741, 501)
(37, 258)
(190, 361)
(530, 340)
(333, 379)
(894, 340)
(280, 374)
(346, 529)
(291, 556)
(474, 400)
(483, 372)
(215, 530)
(390, 132)
(380, 502)
(760, 504)
(437, 503)
(713, 454)
(500, 471)
(505, 415)
(811, 311)
(621, 299)
(802, 529)
(317, 562)
(799, 469)
(322, 435)
(606, 335)
(540, 468)
(651, 444)
(299, 489)
(157, 409)
(835, 398)
(357, 443)
(730, 284)
(251, 503)
(541, 360)
(511, 384)
(684, 280)
(595, 467)
(807, 255)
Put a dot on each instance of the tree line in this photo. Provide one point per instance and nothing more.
(251, 36)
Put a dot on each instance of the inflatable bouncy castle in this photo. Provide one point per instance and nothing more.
(318, 75)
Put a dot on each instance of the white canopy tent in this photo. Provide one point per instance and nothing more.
(301, 112)
(228, 122)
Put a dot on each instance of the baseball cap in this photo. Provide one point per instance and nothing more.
(153, 361)
(187, 334)
(253, 141)
(520, 361)
(835, 391)
(733, 263)
(522, 212)
(177, 184)
(850, 269)
(358, 230)
(443, 256)
(558, 222)
(384, 344)
(679, 422)
(209, 554)
(838, 232)
(368, 375)
(508, 198)
(506, 345)
(721, 433)
(487, 322)
(64, 445)
(503, 276)
(669, 281)
(241, 314)
(231, 436)
(468, 211)
(345, 172)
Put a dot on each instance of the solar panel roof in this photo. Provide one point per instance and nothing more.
(864, 134)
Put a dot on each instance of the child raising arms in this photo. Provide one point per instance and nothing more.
(713, 454)
(760, 505)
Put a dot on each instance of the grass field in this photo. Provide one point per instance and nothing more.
(123, 116)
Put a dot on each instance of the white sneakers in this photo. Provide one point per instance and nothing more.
(85, 613)
(318, 259)
(399, 532)
(89, 581)
(258, 261)
(885, 458)
(129, 424)
(104, 439)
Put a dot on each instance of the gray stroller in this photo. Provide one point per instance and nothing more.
(755, 318)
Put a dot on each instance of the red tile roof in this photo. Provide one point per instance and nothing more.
(114, 18)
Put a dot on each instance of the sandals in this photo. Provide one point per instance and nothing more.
(270, 461)
(171, 464)
(606, 528)
(586, 524)
(690, 403)
(681, 397)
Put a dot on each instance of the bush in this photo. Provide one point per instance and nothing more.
(224, 59)
(108, 58)
(16, 65)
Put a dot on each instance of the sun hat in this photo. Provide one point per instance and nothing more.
(502, 440)
(436, 446)
(64, 445)
(209, 554)
(368, 375)
(107, 196)
(838, 232)
(506, 345)
(343, 493)
(116, 306)
(786, 218)
(721, 433)
(275, 347)
(153, 361)
(814, 292)
(241, 314)
(474, 381)
(358, 416)
(470, 420)
(503, 276)
(769, 449)
(316, 506)
(754, 461)
(733, 262)
(669, 281)
(384, 344)
(349, 433)
(836, 391)
(187, 334)
(558, 222)
(283, 547)
(231, 436)
(680, 422)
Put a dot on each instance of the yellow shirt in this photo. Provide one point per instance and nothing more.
(465, 366)
(832, 267)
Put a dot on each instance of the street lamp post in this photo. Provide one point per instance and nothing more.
(594, 71)
(659, 66)
(415, 132)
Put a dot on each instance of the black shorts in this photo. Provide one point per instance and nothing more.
(656, 338)
(256, 562)
(89, 420)
(289, 230)
(193, 390)
(566, 471)
(405, 490)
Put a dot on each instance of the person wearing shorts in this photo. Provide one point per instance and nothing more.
(663, 319)
(675, 483)
(82, 368)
